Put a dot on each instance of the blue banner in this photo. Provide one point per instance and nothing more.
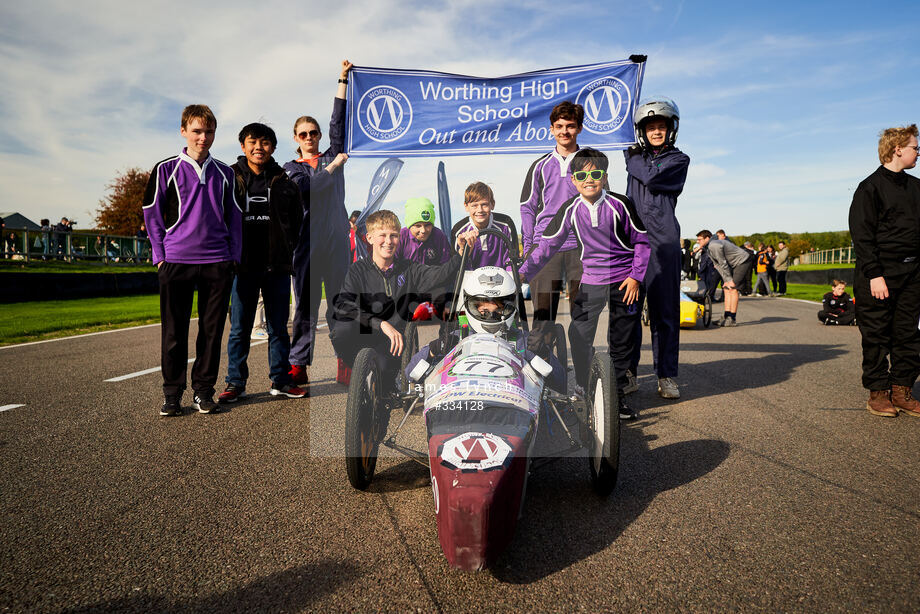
(425, 113)
(380, 184)
(444, 200)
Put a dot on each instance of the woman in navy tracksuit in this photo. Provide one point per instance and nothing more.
(325, 226)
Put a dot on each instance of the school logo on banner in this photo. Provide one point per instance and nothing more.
(427, 113)
(607, 104)
(384, 113)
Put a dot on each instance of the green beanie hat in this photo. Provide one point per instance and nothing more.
(419, 210)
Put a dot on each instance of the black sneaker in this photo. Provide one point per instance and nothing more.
(204, 404)
(172, 405)
(626, 412)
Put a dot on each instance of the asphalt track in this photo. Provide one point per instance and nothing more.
(767, 487)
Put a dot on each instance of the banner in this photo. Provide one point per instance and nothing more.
(425, 113)
(444, 200)
(380, 184)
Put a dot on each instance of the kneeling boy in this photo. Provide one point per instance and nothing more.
(380, 293)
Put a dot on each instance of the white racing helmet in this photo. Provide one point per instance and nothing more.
(489, 299)
(657, 106)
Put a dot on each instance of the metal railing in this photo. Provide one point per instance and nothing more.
(838, 255)
(27, 245)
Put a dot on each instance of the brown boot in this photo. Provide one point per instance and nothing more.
(880, 405)
(902, 399)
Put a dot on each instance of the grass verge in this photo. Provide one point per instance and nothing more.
(808, 292)
(822, 267)
(59, 266)
(35, 321)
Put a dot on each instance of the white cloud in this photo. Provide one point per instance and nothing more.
(780, 122)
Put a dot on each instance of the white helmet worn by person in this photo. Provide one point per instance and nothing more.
(657, 106)
(489, 299)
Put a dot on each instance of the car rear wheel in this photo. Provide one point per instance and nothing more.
(362, 417)
(603, 424)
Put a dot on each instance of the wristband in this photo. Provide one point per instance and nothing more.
(345, 81)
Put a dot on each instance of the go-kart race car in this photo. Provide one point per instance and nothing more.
(485, 404)
(692, 310)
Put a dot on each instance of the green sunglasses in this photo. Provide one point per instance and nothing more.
(597, 174)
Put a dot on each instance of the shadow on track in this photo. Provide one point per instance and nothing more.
(766, 365)
(564, 519)
(767, 320)
(408, 475)
(286, 591)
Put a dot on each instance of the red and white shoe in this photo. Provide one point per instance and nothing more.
(290, 391)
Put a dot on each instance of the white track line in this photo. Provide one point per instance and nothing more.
(101, 332)
(122, 378)
(13, 406)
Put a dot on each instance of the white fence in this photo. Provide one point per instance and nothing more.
(838, 255)
(27, 245)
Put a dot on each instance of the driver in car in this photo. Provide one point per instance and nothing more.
(490, 306)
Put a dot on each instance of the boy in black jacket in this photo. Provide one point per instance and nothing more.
(272, 213)
(380, 294)
(837, 308)
(885, 227)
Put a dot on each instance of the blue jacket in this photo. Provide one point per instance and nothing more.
(325, 220)
(654, 183)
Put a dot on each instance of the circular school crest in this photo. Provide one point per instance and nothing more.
(607, 102)
(384, 113)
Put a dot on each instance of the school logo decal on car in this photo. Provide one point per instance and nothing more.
(471, 452)
(384, 113)
(607, 102)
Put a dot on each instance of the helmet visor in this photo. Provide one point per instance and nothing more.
(490, 309)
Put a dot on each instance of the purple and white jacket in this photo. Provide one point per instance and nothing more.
(436, 250)
(488, 251)
(613, 242)
(191, 212)
(548, 184)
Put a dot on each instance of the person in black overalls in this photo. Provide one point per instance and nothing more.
(885, 227)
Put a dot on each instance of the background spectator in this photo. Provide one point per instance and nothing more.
(62, 230)
(781, 264)
(762, 287)
(46, 237)
(771, 269)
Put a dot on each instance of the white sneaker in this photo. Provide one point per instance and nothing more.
(667, 388)
(632, 383)
(259, 333)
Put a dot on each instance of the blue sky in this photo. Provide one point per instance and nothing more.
(781, 103)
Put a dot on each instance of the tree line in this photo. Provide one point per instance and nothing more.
(798, 242)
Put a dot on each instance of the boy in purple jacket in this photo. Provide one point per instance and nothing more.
(614, 251)
(195, 229)
(479, 202)
(547, 186)
(423, 242)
